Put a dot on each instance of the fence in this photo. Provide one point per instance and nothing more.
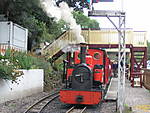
(146, 78)
(4, 47)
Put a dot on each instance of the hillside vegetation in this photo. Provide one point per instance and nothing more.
(42, 28)
(29, 14)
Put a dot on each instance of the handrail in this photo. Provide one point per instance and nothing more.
(64, 40)
(94, 37)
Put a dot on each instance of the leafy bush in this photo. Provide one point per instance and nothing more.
(13, 61)
(8, 72)
(8, 69)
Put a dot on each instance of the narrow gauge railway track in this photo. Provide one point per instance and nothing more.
(76, 110)
(42, 103)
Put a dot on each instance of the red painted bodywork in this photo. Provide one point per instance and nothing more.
(107, 70)
(89, 97)
(91, 61)
(100, 75)
(96, 61)
(76, 57)
(69, 72)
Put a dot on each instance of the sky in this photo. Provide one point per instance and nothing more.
(137, 13)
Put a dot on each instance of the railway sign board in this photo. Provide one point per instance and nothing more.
(13, 35)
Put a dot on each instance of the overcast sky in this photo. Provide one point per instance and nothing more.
(137, 13)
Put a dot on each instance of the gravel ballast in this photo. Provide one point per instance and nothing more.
(20, 105)
(58, 107)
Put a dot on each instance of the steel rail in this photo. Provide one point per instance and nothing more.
(71, 109)
(48, 102)
(51, 96)
(83, 110)
(74, 110)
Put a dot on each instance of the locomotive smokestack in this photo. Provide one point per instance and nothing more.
(83, 52)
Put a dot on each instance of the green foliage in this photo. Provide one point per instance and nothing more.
(30, 15)
(8, 70)
(73, 3)
(13, 61)
(85, 21)
(127, 109)
(53, 76)
(24, 61)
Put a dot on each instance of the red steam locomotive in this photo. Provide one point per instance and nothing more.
(86, 73)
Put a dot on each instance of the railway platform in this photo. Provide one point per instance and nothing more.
(137, 98)
(111, 94)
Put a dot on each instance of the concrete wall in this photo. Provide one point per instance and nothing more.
(29, 83)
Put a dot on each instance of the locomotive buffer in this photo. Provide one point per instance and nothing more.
(111, 94)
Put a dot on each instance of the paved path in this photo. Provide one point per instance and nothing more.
(112, 90)
(137, 98)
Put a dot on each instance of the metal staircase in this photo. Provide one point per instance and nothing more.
(138, 62)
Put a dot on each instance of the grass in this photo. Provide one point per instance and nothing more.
(127, 109)
(12, 105)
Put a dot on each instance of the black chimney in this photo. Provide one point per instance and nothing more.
(83, 52)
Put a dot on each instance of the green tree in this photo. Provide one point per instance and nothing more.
(78, 5)
(30, 15)
(85, 21)
(5, 5)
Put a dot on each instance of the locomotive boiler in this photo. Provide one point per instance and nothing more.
(86, 74)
